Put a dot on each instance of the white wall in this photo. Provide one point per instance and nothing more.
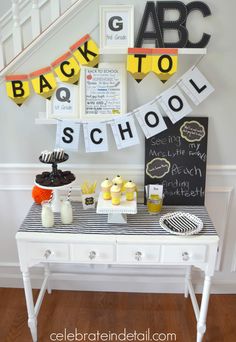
(22, 140)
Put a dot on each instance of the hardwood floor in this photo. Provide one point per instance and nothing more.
(103, 311)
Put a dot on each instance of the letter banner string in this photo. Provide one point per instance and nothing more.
(172, 102)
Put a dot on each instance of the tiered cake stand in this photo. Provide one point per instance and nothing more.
(53, 175)
(117, 213)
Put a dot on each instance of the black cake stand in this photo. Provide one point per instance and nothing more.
(56, 204)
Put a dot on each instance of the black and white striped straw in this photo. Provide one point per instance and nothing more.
(69, 193)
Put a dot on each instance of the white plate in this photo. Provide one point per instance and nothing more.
(180, 223)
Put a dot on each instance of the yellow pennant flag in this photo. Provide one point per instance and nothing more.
(17, 87)
(86, 51)
(139, 63)
(67, 68)
(164, 63)
(44, 82)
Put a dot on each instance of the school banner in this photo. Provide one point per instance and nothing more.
(174, 104)
(95, 137)
(67, 135)
(195, 85)
(44, 82)
(67, 68)
(86, 51)
(124, 131)
(150, 119)
(17, 87)
(139, 63)
(164, 63)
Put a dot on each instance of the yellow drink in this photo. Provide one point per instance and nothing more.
(106, 195)
(115, 200)
(130, 196)
(154, 204)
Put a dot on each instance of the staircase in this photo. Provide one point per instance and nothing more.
(28, 21)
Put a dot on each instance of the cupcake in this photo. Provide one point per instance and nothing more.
(118, 180)
(115, 194)
(106, 189)
(130, 188)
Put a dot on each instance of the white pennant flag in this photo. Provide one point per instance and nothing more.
(195, 85)
(95, 137)
(124, 131)
(150, 119)
(174, 104)
(67, 136)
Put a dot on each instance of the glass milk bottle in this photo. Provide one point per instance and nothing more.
(47, 215)
(66, 212)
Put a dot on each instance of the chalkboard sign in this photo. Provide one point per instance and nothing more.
(176, 158)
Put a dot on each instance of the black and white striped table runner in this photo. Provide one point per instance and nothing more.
(89, 222)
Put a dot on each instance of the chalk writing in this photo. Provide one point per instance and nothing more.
(184, 147)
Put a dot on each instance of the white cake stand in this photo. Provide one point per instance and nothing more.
(56, 203)
(117, 213)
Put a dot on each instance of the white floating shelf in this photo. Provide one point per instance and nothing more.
(45, 121)
(182, 51)
(193, 51)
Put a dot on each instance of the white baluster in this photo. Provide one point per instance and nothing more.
(35, 19)
(55, 9)
(2, 55)
(17, 36)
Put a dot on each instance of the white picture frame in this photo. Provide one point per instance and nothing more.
(99, 100)
(118, 35)
(63, 109)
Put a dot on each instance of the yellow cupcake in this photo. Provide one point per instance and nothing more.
(115, 194)
(118, 180)
(106, 189)
(130, 188)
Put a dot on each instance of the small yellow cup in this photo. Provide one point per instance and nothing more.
(106, 195)
(106, 189)
(115, 194)
(154, 204)
(130, 196)
(115, 199)
(130, 188)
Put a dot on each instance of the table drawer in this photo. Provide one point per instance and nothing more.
(48, 251)
(138, 253)
(183, 253)
(93, 252)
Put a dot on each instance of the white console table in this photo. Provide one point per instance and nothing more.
(91, 240)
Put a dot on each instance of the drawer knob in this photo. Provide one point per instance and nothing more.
(92, 255)
(47, 253)
(138, 256)
(185, 256)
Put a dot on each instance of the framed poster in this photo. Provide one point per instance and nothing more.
(64, 103)
(176, 158)
(116, 28)
(103, 91)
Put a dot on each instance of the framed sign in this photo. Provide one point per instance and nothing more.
(64, 103)
(116, 28)
(103, 91)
